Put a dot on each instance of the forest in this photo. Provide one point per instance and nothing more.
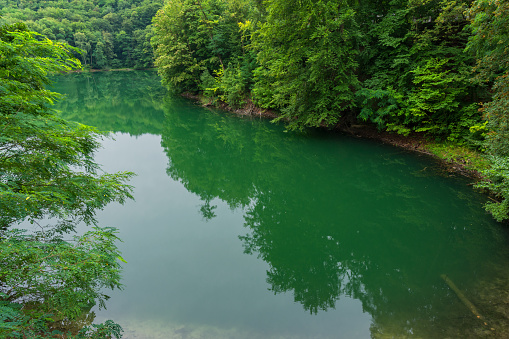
(109, 33)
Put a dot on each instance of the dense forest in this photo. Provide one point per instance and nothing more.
(110, 33)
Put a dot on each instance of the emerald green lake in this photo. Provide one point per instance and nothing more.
(243, 230)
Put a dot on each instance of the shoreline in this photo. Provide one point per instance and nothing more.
(96, 70)
(456, 159)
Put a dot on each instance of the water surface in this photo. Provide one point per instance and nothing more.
(243, 230)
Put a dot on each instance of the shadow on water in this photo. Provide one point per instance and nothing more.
(331, 215)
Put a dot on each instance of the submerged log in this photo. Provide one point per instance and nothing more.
(464, 299)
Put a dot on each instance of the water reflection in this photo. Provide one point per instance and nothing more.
(73, 326)
(332, 216)
(113, 101)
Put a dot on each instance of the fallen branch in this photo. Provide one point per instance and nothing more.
(464, 299)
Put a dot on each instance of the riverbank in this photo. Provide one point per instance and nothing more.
(455, 158)
(95, 70)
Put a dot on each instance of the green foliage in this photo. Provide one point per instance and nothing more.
(497, 181)
(17, 325)
(234, 86)
(109, 33)
(39, 152)
(434, 92)
(490, 41)
(98, 331)
(208, 85)
(193, 38)
(180, 45)
(47, 172)
(235, 82)
(306, 55)
(53, 278)
(378, 105)
(416, 74)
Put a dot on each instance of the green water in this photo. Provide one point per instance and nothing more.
(243, 230)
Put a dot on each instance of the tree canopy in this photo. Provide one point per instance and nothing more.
(110, 33)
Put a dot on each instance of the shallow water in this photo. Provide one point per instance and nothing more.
(243, 230)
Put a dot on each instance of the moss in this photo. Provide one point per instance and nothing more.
(469, 159)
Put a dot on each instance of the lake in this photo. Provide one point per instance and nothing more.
(241, 229)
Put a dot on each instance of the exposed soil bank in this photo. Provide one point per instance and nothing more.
(415, 142)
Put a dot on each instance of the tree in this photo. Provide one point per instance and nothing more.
(99, 55)
(48, 177)
(181, 44)
(62, 20)
(489, 42)
(415, 74)
(192, 38)
(307, 56)
(81, 41)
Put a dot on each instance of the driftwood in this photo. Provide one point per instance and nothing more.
(464, 299)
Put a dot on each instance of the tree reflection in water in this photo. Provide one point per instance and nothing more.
(336, 216)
